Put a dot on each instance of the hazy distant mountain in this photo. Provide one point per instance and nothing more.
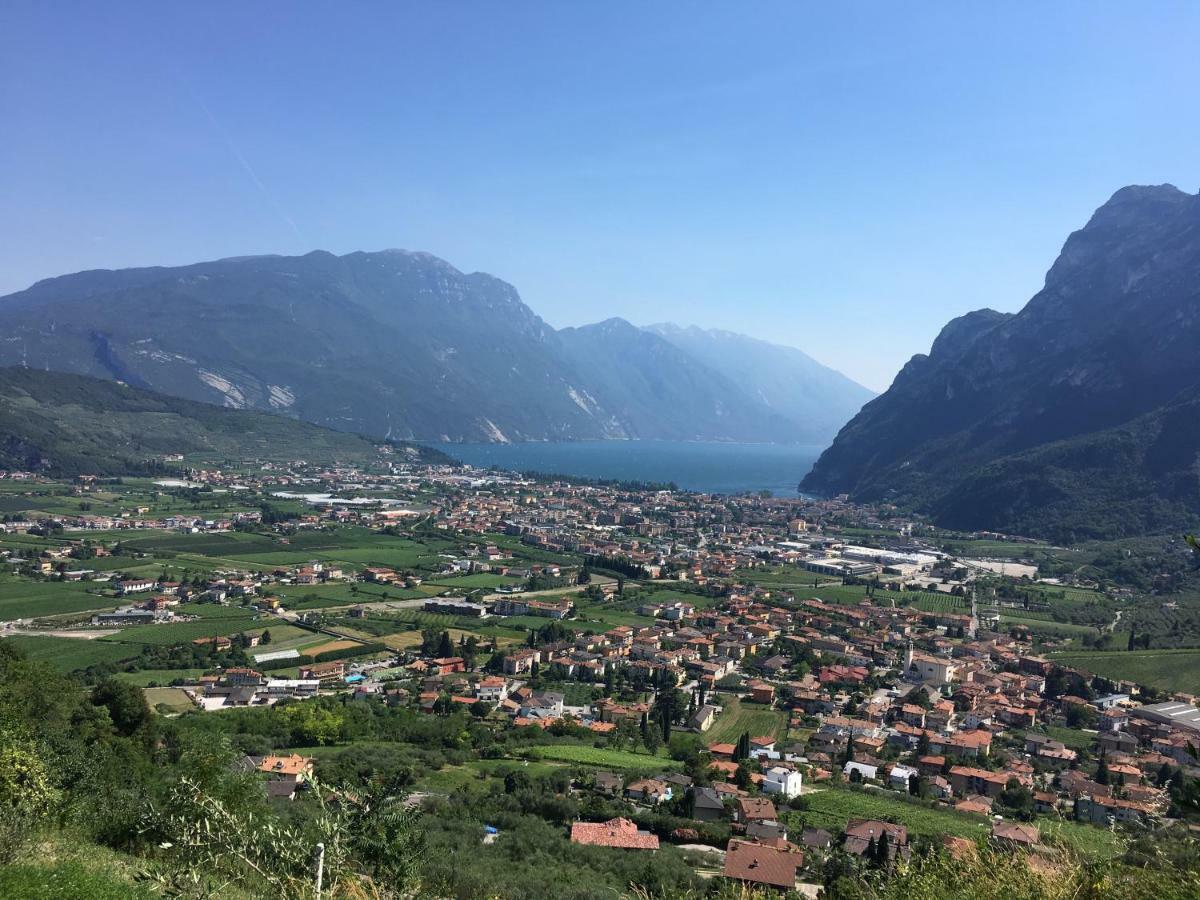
(658, 390)
(1079, 416)
(818, 399)
(69, 425)
(392, 344)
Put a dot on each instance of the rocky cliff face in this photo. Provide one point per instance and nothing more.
(1109, 342)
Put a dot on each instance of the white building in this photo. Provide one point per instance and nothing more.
(783, 781)
(865, 771)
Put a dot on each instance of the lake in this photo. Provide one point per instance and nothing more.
(715, 468)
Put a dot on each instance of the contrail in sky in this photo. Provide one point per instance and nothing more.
(245, 164)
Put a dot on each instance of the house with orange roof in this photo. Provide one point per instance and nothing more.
(620, 833)
(285, 774)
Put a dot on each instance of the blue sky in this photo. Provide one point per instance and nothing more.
(844, 178)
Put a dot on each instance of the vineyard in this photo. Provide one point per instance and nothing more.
(831, 808)
(1171, 670)
(738, 718)
(603, 758)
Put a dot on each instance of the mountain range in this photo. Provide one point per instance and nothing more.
(1077, 417)
(70, 425)
(402, 345)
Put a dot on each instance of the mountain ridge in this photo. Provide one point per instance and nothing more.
(395, 343)
(1107, 341)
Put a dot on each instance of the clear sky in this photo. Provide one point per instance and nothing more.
(840, 177)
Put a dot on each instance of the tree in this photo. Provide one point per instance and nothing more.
(126, 705)
(470, 649)
(1102, 772)
(883, 851)
(742, 777)
(265, 638)
(1016, 799)
(741, 749)
(1080, 715)
(652, 738)
(445, 647)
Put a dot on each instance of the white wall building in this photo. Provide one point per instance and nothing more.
(783, 781)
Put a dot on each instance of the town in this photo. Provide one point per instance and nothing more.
(774, 689)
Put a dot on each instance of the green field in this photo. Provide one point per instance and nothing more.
(603, 758)
(470, 582)
(182, 632)
(69, 654)
(1046, 627)
(830, 808)
(853, 594)
(306, 596)
(22, 599)
(985, 549)
(1071, 737)
(1169, 670)
(738, 717)
(171, 700)
(353, 548)
(145, 677)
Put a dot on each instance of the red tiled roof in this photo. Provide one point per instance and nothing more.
(760, 864)
(613, 833)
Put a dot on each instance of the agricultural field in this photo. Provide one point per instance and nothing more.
(830, 808)
(169, 699)
(321, 596)
(1047, 627)
(329, 646)
(1168, 670)
(147, 677)
(986, 549)
(1075, 738)
(22, 599)
(471, 582)
(851, 594)
(352, 548)
(403, 640)
(738, 717)
(602, 758)
(69, 654)
(182, 632)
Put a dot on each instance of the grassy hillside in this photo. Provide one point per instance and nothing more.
(69, 424)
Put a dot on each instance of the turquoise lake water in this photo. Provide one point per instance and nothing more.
(716, 468)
